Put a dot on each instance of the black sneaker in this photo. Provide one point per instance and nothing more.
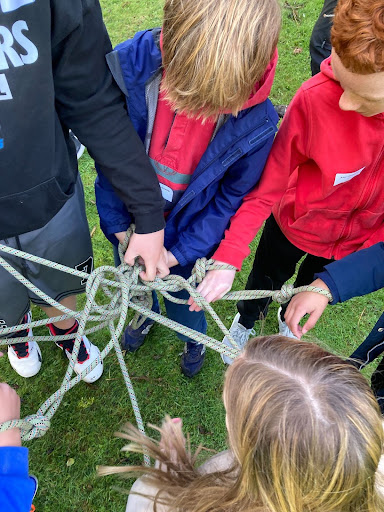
(192, 359)
(132, 339)
(281, 110)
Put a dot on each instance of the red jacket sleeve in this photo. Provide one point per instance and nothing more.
(377, 236)
(289, 150)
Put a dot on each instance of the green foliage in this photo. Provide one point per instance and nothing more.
(81, 436)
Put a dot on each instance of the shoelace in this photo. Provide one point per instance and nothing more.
(68, 346)
(242, 337)
(21, 349)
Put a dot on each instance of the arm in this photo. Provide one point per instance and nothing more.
(355, 275)
(289, 149)
(89, 102)
(16, 487)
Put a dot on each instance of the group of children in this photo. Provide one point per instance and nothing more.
(197, 95)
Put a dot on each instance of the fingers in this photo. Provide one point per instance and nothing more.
(130, 257)
(162, 269)
(292, 318)
(150, 272)
(312, 321)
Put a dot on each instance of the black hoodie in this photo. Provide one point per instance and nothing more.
(53, 76)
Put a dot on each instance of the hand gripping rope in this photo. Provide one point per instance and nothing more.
(124, 289)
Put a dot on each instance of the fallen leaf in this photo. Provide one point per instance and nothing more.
(296, 51)
(70, 462)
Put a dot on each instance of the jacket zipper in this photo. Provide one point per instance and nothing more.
(363, 203)
(170, 129)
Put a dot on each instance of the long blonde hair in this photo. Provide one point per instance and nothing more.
(305, 431)
(214, 52)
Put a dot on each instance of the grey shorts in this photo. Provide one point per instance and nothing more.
(66, 240)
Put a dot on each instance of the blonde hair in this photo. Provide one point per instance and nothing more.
(305, 431)
(215, 51)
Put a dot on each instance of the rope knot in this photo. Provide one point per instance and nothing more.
(283, 295)
(35, 426)
(199, 270)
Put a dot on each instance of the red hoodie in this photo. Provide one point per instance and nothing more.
(323, 178)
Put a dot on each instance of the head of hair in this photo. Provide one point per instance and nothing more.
(357, 35)
(215, 51)
(303, 426)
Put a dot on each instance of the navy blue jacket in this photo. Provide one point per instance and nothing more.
(359, 273)
(230, 167)
(17, 488)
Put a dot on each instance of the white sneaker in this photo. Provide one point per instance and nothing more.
(87, 354)
(25, 358)
(240, 335)
(284, 330)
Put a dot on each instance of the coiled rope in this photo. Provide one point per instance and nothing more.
(124, 289)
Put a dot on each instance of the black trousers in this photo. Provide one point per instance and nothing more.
(275, 262)
(320, 43)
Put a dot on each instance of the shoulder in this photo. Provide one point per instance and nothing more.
(219, 462)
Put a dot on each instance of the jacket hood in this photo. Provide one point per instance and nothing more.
(263, 87)
(326, 69)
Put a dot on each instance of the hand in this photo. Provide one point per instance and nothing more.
(121, 236)
(306, 303)
(171, 260)
(151, 250)
(214, 286)
(9, 410)
(172, 441)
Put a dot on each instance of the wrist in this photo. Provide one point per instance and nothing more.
(319, 283)
(10, 438)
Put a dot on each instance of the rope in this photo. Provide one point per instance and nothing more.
(124, 289)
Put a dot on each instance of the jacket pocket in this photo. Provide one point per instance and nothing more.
(32, 208)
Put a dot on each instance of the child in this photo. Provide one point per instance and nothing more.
(197, 95)
(324, 173)
(304, 434)
(56, 67)
(355, 275)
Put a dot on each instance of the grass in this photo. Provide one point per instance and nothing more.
(81, 436)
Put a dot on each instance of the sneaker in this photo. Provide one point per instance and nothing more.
(192, 358)
(281, 110)
(25, 358)
(240, 334)
(284, 330)
(87, 354)
(133, 338)
(78, 145)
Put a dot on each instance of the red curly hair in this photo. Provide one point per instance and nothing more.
(358, 35)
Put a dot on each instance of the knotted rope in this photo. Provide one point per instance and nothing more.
(124, 289)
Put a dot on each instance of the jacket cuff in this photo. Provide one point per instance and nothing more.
(14, 461)
(179, 256)
(149, 222)
(109, 230)
(327, 279)
(227, 255)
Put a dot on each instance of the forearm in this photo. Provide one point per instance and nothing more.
(355, 275)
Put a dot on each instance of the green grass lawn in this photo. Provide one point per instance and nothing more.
(83, 427)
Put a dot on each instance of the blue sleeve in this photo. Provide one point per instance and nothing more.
(207, 228)
(17, 488)
(359, 273)
(113, 214)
